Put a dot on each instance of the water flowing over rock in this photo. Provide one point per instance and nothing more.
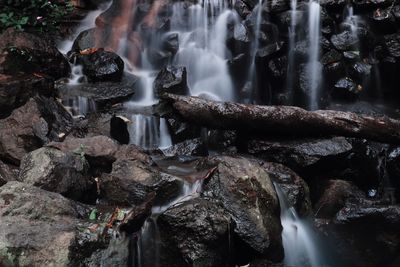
(246, 192)
(102, 66)
(171, 80)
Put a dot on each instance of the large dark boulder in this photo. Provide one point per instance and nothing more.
(56, 171)
(130, 183)
(102, 66)
(299, 154)
(39, 121)
(245, 190)
(16, 90)
(195, 233)
(29, 53)
(171, 79)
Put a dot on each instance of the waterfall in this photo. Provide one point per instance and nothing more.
(314, 69)
(298, 239)
(292, 41)
(202, 43)
(251, 75)
(148, 242)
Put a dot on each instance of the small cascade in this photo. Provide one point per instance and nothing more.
(165, 137)
(77, 76)
(251, 75)
(292, 40)
(87, 23)
(351, 20)
(299, 242)
(148, 242)
(314, 69)
(203, 31)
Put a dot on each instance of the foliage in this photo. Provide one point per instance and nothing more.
(43, 15)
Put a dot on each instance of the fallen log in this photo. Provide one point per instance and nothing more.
(283, 120)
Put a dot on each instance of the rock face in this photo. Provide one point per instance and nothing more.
(56, 171)
(28, 53)
(15, 91)
(245, 190)
(130, 183)
(195, 233)
(39, 121)
(37, 227)
(7, 173)
(102, 66)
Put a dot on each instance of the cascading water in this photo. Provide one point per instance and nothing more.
(298, 240)
(292, 41)
(203, 30)
(314, 69)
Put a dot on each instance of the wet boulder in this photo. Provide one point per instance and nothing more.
(246, 192)
(37, 227)
(332, 196)
(367, 226)
(303, 153)
(191, 147)
(360, 71)
(346, 89)
(23, 52)
(102, 65)
(90, 38)
(56, 171)
(345, 40)
(16, 90)
(171, 43)
(242, 9)
(264, 54)
(38, 122)
(195, 233)
(292, 185)
(131, 182)
(171, 79)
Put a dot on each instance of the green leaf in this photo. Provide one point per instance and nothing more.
(93, 215)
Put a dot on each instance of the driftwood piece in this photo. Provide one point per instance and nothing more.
(283, 120)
